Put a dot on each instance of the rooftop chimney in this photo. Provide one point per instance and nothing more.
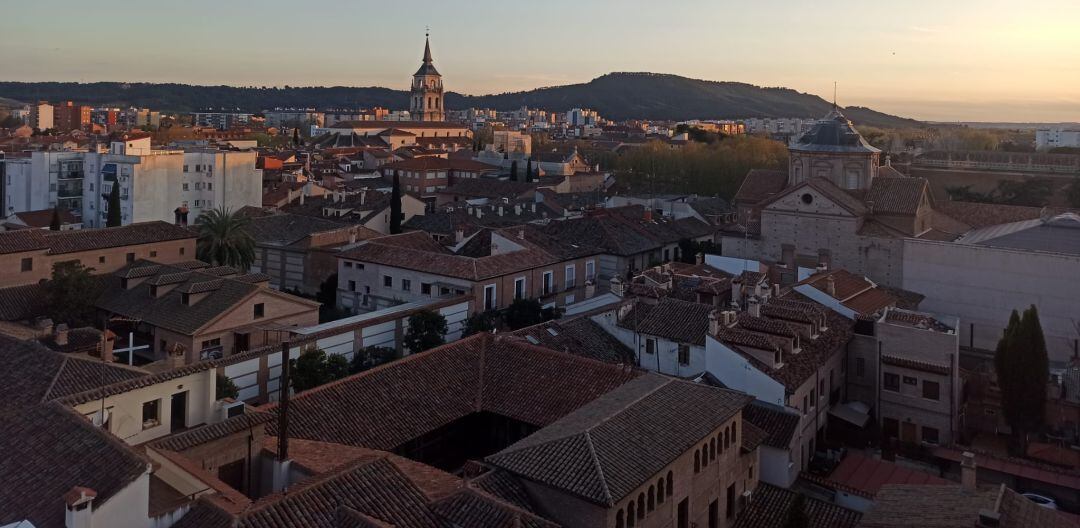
(736, 291)
(967, 470)
(830, 286)
(648, 215)
(618, 287)
(753, 305)
(699, 258)
(177, 356)
(714, 322)
(80, 507)
(459, 235)
(60, 334)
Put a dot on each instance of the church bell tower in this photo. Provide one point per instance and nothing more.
(426, 100)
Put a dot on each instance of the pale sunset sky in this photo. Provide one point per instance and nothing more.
(974, 60)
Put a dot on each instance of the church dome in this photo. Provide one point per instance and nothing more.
(833, 133)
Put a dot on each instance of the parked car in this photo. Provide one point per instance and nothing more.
(1041, 500)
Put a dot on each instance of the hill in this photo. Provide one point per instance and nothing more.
(615, 95)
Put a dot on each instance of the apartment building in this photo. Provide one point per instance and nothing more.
(495, 266)
(168, 185)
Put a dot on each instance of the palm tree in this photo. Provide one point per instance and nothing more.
(224, 240)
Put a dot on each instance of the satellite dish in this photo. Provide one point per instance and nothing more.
(100, 418)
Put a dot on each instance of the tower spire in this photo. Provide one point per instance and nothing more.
(427, 45)
(834, 95)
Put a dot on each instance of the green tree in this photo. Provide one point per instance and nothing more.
(54, 224)
(523, 312)
(113, 219)
(395, 206)
(71, 294)
(529, 177)
(223, 239)
(479, 322)
(225, 388)
(315, 367)
(427, 330)
(371, 357)
(514, 173)
(296, 137)
(796, 514)
(1022, 370)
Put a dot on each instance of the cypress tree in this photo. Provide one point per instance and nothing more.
(529, 171)
(513, 172)
(395, 206)
(113, 219)
(1022, 370)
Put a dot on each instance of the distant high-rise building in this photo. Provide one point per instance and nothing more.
(41, 116)
(70, 116)
(426, 101)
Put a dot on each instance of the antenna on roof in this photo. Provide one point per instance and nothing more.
(834, 95)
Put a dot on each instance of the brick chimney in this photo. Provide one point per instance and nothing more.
(967, 470)
(80, 507)
(736, 291)
(714, 322)
(618, 287)
(107, 344)
(830, 286)
(753, 306)
(459, 235)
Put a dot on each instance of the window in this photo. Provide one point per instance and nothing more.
(712, 448)
(891, 382)
(425, 288)
(931, 390)
(650, 346)
(348, 264)
(549, 283)
(730, 506)
(181, 251)
(101, 259)
(130, 257)
(406, 285)
(619, 519)
(388, 281)
(185, 170)
(697, 461)
(660, 490)
(813, 399)
(727, 438)
(929, 435)
(652, 498)
(151, 414)
(352, 285)
(260, 310)
(489, 297)
(670, 484)
(28, 264)
(590, 270)
(519, 288)
(631, 518)
(153, 254)
(910, 380)
(571, 279)
(684, 354)
(805, 405)
(890, 428)
(641, 505)
(860, 367)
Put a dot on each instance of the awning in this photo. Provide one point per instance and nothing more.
(855, 413)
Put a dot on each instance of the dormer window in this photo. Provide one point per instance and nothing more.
(185, 299)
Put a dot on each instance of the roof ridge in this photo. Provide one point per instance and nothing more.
(480, 374)
(56, 376)
(598, 467)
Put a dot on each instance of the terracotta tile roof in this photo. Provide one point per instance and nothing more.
(623, 231)
(75, 240)
(504, 485)
(207, 433)
(947, 506)
(925, 366)
(579, 336)
(983, 214)
(770, 505)
(387, 406)
(429, 163)
(168, 310)
(592, 452)
(34, 374)
(373, 489)
(674, 319)
(760, 184)
(779, 425)
(488, 188)
(897, 195)
(43, 218)
(752, 436)
(867, 475)
(48, 449)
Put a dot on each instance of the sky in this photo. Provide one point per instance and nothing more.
(942, 60)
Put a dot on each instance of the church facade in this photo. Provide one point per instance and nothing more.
(837, 207)
(426, 97)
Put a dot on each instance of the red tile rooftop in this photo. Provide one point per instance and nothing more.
(866, 476)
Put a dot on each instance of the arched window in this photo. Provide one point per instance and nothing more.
(712, 448)
(619, 519)
(652, 498)
(660, 490)
(641, 505)
(705, 454)
(697, 461)
(670, 484)
(720, 442)
(630, 517)
(734, 433)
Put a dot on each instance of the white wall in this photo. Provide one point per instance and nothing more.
(736, 372)
(982, 285)
(777, 468)
(130, 506)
